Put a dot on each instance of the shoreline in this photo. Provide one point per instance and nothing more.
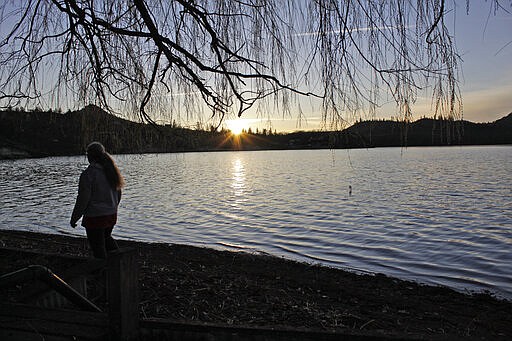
(471, 288)
(197, 284)
(9, 153)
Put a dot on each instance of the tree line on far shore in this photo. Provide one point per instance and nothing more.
(38, 133)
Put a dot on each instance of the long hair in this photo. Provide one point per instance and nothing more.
(96, 153)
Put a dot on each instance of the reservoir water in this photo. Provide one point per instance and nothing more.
(434, 215)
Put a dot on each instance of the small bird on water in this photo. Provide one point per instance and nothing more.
(349, 190)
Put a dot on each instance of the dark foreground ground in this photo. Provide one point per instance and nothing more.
(185, 283)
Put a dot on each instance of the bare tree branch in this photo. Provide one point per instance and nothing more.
(227, 55)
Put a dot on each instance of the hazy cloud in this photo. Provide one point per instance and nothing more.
(357, 29)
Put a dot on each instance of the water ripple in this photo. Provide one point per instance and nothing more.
(436, 215)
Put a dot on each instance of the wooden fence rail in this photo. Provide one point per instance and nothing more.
(120, 322)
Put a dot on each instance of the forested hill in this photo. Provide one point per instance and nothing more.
(428, 132)
(37, 134)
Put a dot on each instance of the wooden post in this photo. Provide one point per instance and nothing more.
(122, 294)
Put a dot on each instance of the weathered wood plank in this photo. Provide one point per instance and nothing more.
(123, 293)
(161, 329)
(57, 315)
(20, 321)
(21, 335)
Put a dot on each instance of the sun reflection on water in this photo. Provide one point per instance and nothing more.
(238, 183)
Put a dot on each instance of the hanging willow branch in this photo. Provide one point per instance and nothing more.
(159, 56)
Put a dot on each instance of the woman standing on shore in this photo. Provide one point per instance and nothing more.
(99, 194)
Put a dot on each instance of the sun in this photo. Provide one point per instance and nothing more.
(237, 126)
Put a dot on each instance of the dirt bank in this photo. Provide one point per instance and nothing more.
(198, 284)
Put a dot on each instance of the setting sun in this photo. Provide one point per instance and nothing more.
(237, 126)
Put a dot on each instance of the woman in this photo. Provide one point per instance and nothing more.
(99, 194)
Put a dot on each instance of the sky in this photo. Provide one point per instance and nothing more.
(484, 42)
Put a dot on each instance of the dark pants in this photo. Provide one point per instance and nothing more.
(101, 241)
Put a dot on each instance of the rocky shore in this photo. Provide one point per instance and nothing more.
(185, 283)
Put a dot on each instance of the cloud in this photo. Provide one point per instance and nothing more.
(357, 29)
(179, 94)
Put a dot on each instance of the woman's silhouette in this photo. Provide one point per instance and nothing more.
(99, 194)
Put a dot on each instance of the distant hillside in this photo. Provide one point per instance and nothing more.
(37, 134)
(426, 132)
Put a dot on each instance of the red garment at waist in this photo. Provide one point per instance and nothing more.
(103, 221)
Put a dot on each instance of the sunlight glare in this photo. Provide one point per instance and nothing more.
(237, 126)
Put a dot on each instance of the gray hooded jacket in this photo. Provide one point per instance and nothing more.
(95, 195)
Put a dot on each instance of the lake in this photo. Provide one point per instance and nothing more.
(437, 215)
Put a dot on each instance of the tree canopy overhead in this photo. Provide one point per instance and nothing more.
(153, 56)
